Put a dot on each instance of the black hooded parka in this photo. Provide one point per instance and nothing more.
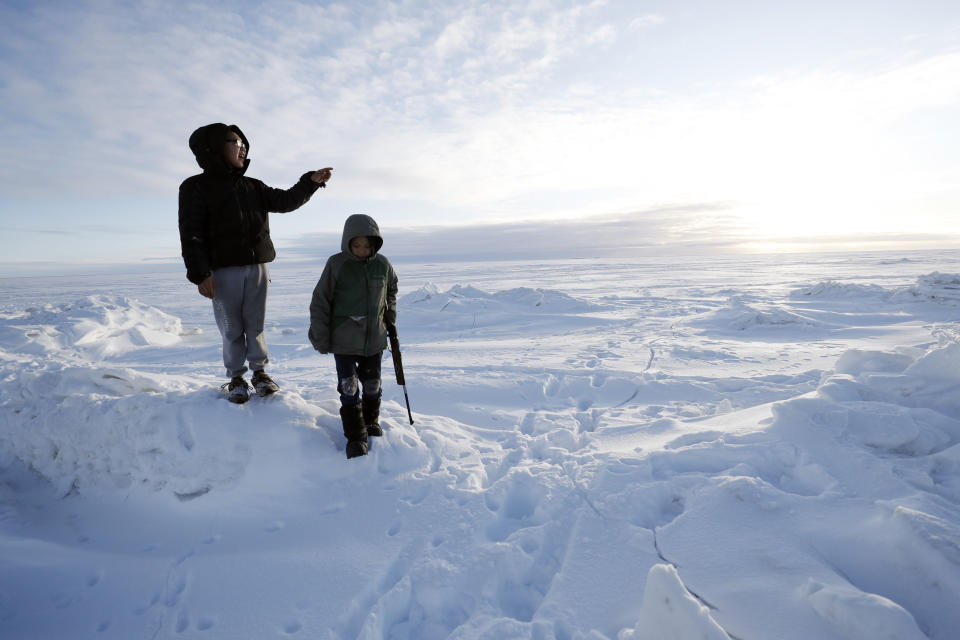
(224, 219)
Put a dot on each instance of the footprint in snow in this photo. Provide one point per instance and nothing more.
(183, 622)
(588, 420)
(153, 602)
(173, 597)
(418, 495)
(527, 424)
(551, 386)
(514, 508)
(185, 436)
(330, 509)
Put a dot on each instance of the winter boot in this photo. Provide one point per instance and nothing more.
(354, 431)
(262, 383)
(371, 416)
(238, 391)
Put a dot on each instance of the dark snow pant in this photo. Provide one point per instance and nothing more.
(356, 372)
(240, 307)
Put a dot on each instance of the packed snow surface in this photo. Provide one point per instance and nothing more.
(750, 448)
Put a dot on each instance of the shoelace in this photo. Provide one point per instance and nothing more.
(225, 386)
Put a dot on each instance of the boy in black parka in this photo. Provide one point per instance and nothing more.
(225, 242)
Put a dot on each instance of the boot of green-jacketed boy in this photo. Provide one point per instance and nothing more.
(354, 431)
(371, 416)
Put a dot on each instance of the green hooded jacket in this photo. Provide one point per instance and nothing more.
(355, 297)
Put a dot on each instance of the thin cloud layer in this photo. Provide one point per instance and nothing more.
(472, 112)
(703, 228)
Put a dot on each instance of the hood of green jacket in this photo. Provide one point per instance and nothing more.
(360, 225)
(207, 142)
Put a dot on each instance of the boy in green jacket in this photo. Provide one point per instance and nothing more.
(354, 301)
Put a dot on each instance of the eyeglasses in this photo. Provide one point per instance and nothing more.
(236, 141)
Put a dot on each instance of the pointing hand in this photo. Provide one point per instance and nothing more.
(322, 176)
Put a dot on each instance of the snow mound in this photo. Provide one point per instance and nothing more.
(939, 287)
(87, 428)
(931, 380)
(99, 326)
(738, 315)
(831, 289)
(469, 298)
(884, 425)
(861, 616)
(890, 400)
(672, 610)
(896, 261)
(83, 424)
(856, 361)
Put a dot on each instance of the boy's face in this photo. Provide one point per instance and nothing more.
(361, 247)
(233, 151)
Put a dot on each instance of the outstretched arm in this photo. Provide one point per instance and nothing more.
(286, 200)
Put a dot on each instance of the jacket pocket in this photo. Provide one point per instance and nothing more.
(348, 336)
(377, 292)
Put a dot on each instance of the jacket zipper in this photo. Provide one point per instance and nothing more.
(246, 223)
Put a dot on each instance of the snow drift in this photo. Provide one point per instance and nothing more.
(596, 488)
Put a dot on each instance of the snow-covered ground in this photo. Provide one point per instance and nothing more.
(753, 448)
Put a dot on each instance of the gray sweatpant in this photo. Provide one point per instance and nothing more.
(240, 307)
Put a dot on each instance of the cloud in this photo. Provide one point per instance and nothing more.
(456, 37)
(473, 111)
(112, 92)
(705, 228)
(54, 232)
(467, 103)
(647, 20)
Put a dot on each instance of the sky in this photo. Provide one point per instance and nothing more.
(610, 127)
